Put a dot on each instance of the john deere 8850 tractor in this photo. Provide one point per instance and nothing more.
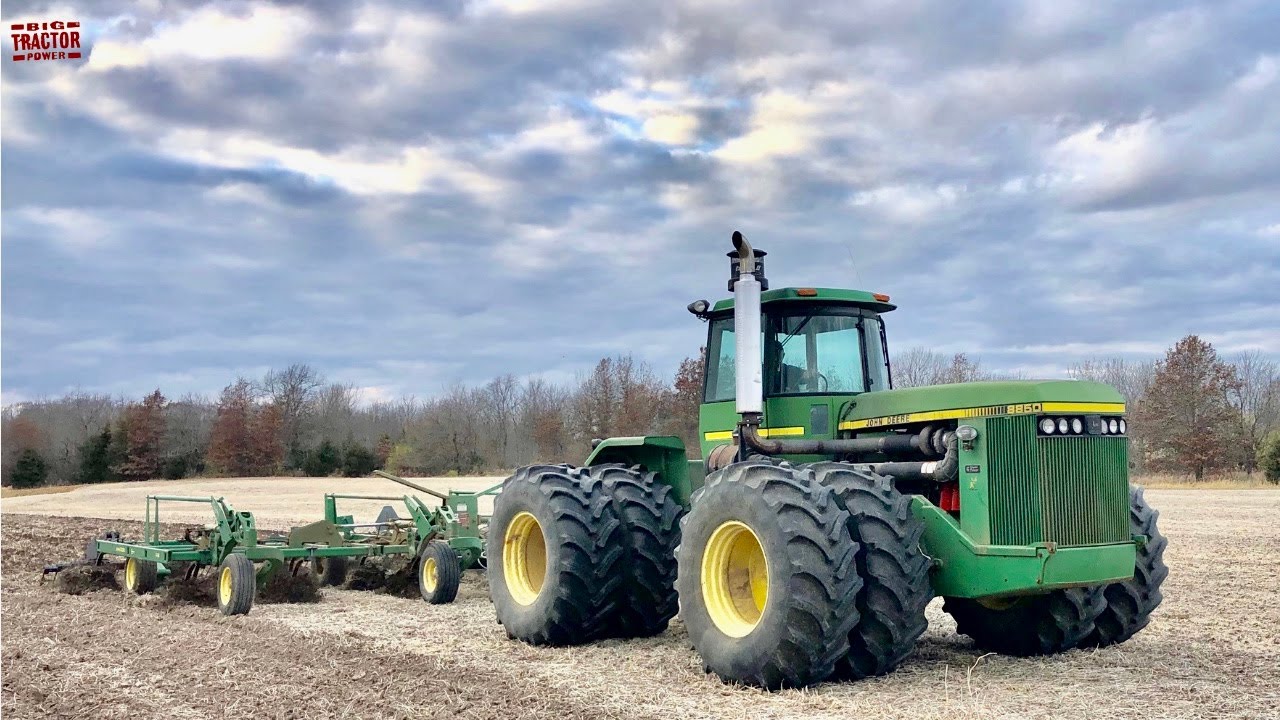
(830, 508)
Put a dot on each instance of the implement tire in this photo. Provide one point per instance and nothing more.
(767, 578)
(140, 576)
(1129, 604)
(439, 572)
(332, 571)
(1043, 624)
(650, 519)
(893, 568)
(237, 585)
(555, 547)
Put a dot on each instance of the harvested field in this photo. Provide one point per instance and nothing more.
(1212, 649)
(275, 502)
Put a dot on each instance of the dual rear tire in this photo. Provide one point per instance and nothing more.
(577, 554)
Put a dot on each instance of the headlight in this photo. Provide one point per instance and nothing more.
(1047, 426)
(1114, 426)
(1077, 427)
(1105, 427)
(1124, 428)
(1062, 425)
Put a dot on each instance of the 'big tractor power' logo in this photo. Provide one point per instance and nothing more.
(53, 40)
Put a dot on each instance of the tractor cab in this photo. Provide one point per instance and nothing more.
(819, 347)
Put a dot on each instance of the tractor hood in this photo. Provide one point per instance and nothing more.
(963, 396)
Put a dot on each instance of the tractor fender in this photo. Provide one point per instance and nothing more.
(661, 454)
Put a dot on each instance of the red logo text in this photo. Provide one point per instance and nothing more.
(52, 40)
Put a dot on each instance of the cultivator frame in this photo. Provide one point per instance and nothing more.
(233, 543)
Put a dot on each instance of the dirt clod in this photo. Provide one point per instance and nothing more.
(200, 590)
(366, 576)
(285, 587)
(87, 578)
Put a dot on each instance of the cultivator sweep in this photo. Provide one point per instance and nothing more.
(435, 543)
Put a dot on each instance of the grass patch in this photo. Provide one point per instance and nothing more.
(8, 492)
(1224, 481)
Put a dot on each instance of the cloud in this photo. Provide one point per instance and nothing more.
(411, 195)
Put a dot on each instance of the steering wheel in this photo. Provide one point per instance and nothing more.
(822, 382)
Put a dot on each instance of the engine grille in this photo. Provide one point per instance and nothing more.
(1067, 490)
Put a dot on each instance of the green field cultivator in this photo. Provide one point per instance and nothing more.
(829, 508)
(438, 542)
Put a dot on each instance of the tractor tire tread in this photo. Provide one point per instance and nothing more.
(894, 570)
(1129, 604)
(650, 518)
(588, 534)
(1044, 624)
(820, 605)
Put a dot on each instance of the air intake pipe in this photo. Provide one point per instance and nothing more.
(940, 471)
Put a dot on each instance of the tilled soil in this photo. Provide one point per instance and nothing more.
(1212, 649)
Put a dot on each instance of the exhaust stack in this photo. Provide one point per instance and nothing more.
(746, 282)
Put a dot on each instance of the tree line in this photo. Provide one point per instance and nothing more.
(1191, 412)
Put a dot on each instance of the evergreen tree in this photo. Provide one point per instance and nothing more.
(323, 461)
(31, 470)
(95, 458)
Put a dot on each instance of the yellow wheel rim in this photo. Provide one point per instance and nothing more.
(735, 579)
(430, 574)
(131, 574)
(524, 558)
(224, 586)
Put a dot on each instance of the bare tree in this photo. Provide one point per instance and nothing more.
(921, 366)
(498, 409)
(1257, 403)
(335, 412)
(293, 392)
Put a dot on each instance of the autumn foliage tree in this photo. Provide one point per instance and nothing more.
(245, 439)
(144, 439)
(686, 398)
(1187, 411)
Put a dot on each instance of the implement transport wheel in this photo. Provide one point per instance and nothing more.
(332, 571)
(556, 547)
(893, 568)
(439, 572)
(140, 576)
(767, 576)
(1043, 624)
(1129, 604)
(650, 519)
(237, 584)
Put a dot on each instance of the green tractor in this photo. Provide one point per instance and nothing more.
(830, 508)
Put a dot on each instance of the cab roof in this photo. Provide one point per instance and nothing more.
(857, 298)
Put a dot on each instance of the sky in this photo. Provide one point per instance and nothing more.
(406, 196)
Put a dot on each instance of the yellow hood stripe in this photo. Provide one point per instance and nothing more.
(989, 411)
(764, 432)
